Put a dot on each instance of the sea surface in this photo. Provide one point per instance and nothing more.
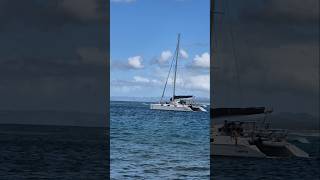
(53, 152)
(151, 144)
(145, 144)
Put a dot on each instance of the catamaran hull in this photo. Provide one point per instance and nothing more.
(235, 151)
(281, 149)
(170, 107)
(225, 146)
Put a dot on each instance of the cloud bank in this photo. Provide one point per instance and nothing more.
(135, 62)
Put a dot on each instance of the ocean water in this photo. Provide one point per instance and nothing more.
(150, 144)
(53, 152)
(145, 144)
(271, 168)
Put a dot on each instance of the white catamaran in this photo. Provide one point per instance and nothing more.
(177, 103)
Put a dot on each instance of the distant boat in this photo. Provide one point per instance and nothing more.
(177, 102)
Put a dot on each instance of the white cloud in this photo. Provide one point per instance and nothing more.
(180, 81)
(141, 79)
(202, 61)
(186, 80)
(116, 89)
(135, 62)
(123, 1)
(155, 81)
(183, 54)
(192, 82)
(200, 82)
(165, 56)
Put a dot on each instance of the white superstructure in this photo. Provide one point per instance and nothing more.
(178, 104)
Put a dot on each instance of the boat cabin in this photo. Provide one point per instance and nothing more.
(183, 100)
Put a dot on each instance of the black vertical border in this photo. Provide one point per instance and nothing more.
(212, 5)
(107, 85)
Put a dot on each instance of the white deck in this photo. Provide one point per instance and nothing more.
(173, 107)
(226, 146)
(223, 145)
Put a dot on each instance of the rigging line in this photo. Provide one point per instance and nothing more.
(165, 85)
(234, 52)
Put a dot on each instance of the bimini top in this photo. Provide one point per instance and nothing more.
(181, 97)
(220, 112)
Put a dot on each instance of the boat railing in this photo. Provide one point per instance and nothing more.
(272, 133)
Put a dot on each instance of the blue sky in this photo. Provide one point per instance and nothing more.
(143, 39)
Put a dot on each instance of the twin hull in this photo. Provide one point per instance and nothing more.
(226, 146)
(172, 107)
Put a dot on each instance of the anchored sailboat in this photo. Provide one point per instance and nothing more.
(177, 102)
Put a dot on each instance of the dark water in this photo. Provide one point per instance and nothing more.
(150, 144)
(145, 144)
(53, 152)
(257, 168)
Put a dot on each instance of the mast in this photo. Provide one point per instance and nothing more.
(165, 85)
(175, 71)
